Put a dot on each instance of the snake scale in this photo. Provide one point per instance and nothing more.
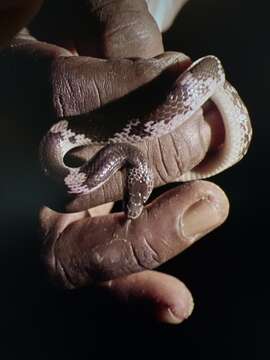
(204, 80)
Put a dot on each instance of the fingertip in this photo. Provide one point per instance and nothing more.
(167, 299)
(178, 311)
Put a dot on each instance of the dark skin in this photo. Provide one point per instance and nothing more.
(67, 76)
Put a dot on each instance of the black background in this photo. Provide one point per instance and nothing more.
(227, 272)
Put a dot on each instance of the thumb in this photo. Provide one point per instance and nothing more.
(80, 250)
(100, 28)
(117, 29)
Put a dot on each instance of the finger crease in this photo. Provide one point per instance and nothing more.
(178, 159)
(153, 253)
(119, 28)
(60, 106)
(136, 257)
(163, 162)
(188, 148)
(97, 91)
(64, 275)
(59, 268)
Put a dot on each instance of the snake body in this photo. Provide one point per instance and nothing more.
(203, 80)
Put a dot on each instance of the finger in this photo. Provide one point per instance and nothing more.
(82, 84)
(161, 296)
(100, 28)
(121, 29)
(14, 15)
(103, 248)
(78, 85)
(60, 84)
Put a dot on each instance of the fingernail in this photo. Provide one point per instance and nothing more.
(200, 218)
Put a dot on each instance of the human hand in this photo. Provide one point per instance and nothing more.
(79, 248)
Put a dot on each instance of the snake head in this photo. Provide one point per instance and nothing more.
(140, 186)
(134, 206)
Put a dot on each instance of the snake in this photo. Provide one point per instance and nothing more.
(204, 80)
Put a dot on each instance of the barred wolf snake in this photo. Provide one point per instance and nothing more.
(203, 80)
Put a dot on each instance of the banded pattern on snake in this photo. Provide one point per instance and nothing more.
(203, 80)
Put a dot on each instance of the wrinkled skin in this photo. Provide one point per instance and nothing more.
(67, 76)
